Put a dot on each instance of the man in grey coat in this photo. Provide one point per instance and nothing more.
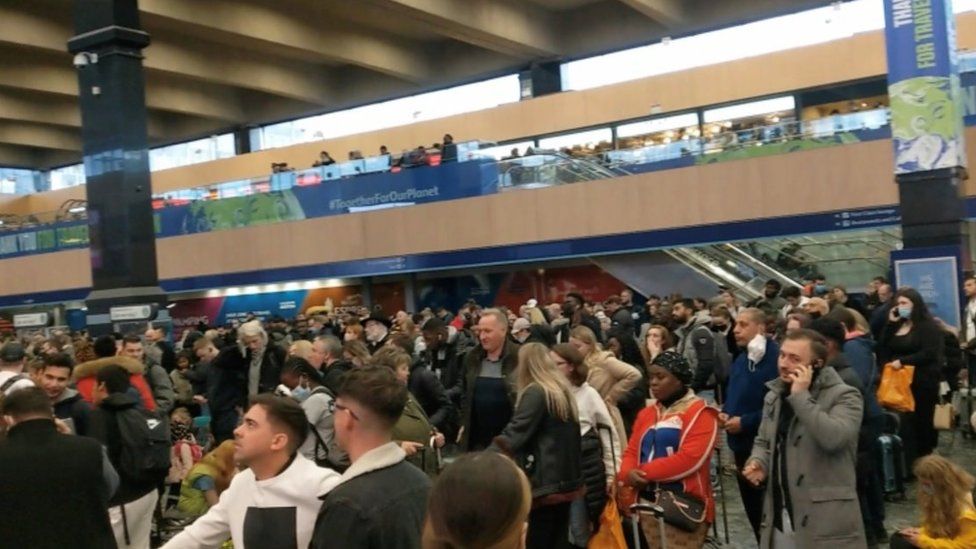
(806, 452)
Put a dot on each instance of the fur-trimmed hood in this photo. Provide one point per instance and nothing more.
(90, 368)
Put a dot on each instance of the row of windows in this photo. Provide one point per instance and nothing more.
(834, 22)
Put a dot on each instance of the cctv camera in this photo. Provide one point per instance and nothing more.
(84, 59)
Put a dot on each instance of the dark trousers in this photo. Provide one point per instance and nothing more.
(548, 527)
(918, 431)
(870, 486)
(752, 497)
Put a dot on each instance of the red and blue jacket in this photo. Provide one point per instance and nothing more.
(673, 447)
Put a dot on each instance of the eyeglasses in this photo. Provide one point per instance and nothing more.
(337, 406)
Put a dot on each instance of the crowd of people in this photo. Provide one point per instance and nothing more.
(487, 428)
(446, 151)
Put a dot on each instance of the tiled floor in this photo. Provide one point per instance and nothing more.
(899, 515)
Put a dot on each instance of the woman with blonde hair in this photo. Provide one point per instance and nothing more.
(610, 376)
(481, 501)
(544, 438)
(945, 499)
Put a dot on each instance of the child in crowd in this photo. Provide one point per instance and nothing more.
(186, 451)
(181, 384)
(945, 501)
(206, 480)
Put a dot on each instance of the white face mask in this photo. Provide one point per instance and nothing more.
(756, 349)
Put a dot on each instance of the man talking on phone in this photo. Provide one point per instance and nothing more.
(806, 451)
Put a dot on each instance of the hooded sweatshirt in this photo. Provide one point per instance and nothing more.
(275, 512)
(71, 406)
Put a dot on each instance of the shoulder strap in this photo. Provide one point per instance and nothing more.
(9, 383)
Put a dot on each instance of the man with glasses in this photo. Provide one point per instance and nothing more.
(381, 499)
(742, 411)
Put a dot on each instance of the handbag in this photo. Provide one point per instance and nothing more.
(895, 390)
(944, 414)
(610, 534)
(682, 511)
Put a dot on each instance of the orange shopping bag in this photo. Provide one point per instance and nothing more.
(611, 532)
(895, 391)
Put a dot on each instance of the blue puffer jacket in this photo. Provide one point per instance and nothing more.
(860, 354)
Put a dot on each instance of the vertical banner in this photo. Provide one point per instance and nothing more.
(923, 85)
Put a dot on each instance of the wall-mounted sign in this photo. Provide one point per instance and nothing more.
(132, 312)
(31, 320)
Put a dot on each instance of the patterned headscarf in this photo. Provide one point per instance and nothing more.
(676, 364)
(179, 431)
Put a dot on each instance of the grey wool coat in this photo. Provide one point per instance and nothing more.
(821, 451)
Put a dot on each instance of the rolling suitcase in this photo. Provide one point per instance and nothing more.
(658, 513)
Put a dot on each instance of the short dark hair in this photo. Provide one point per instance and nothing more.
(433, 324)
(818, 345)
(687, 303)
(774, 283)
(831, 329)
(578, 297)
(59, 360)
(790, 291)
(30, 401)
(881, 279)
(115, 378)
(131, 338)
(377, 389)
(104, 346)
(286, 413)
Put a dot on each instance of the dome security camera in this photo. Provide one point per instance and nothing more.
(83, 59)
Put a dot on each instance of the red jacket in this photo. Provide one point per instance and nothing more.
(84, 378)
(674, 446)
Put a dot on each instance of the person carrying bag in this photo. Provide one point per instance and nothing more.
(666, 463)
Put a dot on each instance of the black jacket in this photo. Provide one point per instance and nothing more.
(232, 359)
(332, 374)
(470, 367)
(547, 448)
(71, 405)
(444, 362)
(380, 509)
(167, 358)
(54, 492)
(430, 394)
(105, 428)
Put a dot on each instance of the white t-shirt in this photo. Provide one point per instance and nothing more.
(282, 508)
(17, 385)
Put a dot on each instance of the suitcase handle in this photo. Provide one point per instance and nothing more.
(654, 509)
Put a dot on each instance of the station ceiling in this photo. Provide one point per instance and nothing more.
(216, 65)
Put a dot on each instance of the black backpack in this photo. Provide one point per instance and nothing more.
(145, 441)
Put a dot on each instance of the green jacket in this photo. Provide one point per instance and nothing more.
(414, 426)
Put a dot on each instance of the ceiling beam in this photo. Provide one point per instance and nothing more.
(37, 74)
(297, 34)
(666, 12)
(519, 30)
(50, 32)
(18, 156)
(40, 136)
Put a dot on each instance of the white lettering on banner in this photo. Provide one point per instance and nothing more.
(901, 12)
(384, 198)
(287, 305)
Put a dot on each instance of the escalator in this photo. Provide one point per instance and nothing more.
(849, 258)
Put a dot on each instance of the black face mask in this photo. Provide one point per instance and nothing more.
(719, 327)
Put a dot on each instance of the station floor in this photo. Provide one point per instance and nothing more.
(899, 514)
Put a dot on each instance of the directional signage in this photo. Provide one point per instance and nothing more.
(132, 312)
(31, 320)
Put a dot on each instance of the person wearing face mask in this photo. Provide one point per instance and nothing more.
(912, 338)
(742, 410)
(806, 450)
(305, 385)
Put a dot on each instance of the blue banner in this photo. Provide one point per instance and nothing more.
(923, 85)
(935, 274)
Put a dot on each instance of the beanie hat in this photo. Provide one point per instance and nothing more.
(676, 364)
